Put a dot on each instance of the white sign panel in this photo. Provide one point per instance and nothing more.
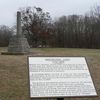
(59, 77)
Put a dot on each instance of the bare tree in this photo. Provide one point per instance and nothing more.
(5, 35)
(37, 24)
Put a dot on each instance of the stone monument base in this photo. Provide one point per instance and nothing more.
(17, 46)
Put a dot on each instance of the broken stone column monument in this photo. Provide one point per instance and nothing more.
(18, 43)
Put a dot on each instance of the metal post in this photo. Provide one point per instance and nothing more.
(60, 98)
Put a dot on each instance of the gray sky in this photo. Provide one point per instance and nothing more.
(8, 8)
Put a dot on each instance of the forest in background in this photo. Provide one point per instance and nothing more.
(72, 31)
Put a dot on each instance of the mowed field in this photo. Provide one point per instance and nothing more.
(14, 83)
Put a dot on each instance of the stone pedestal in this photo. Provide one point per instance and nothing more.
(18, 45)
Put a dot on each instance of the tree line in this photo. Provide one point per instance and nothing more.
(73, 31)
(5, 35)
(78, 31)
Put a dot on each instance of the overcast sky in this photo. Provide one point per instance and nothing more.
(8, 8)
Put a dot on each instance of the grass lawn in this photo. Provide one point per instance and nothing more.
(14, 71)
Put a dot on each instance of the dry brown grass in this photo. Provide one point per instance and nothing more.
(14, 71)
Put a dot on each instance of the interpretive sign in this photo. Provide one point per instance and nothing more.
(59, 77)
